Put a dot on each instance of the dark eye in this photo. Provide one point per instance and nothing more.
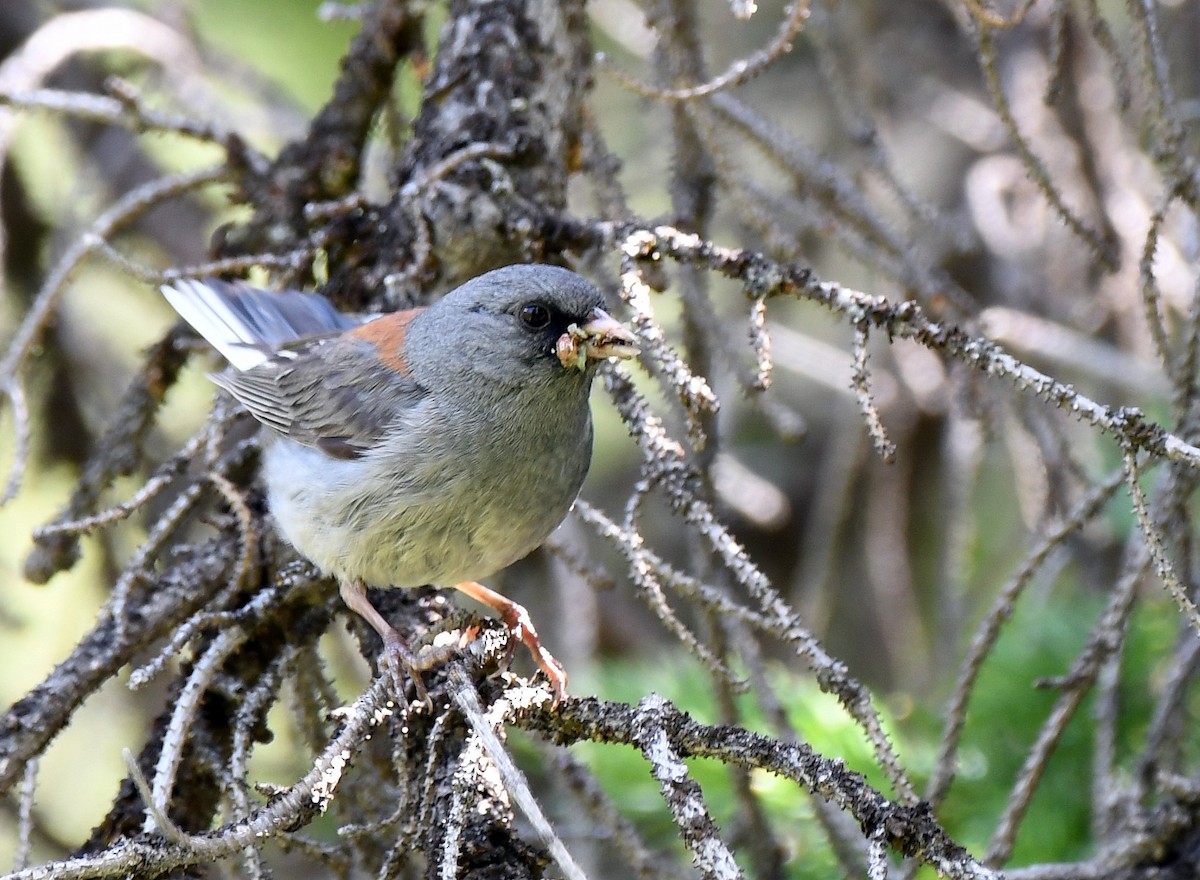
(535, 316)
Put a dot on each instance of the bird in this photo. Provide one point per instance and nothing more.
(433, 445)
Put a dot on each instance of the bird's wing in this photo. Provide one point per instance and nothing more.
(329, 393)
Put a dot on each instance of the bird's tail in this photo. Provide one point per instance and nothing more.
(247, 325)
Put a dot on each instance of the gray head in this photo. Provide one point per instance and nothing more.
(507, 325)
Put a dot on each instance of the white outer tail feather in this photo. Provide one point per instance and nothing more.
(249, 326)
(210, 315)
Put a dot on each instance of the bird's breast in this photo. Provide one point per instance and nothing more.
(439, 501)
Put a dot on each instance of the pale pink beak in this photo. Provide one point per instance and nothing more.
(603, 336)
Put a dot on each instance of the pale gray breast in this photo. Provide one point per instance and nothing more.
(442, 499)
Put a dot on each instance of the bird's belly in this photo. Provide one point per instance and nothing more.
(429, 545)
(358, 524)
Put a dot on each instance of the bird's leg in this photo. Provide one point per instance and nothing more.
(520, 627)
(396, 653)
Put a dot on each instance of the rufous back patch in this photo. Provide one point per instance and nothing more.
(387, 335)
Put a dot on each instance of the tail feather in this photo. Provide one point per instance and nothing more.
(247, 325)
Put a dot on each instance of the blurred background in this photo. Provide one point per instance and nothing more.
(1009, 168)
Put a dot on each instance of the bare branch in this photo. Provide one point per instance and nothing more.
(739, 72)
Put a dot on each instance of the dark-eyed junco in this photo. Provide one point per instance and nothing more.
(430, 446)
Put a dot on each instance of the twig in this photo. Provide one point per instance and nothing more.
(761, 276)
(664, 460)
(1108, 637)
(143, 559)
(167, 472)
(710, 855)
(176, 735)
(1157, 77)
(614, 829)
(989, 629)
(123, 212)
(1149, 283)
(877, 864)
(644, 568)
(1101, 249)
(885, 448)
(299, 803)
(909, 828)
(1154, 541)
(290, 260)
(739, 72)
(991, 19)
(1168, 723)
(515, 699)
(248, 531)
(693, 391)
(760, 341)
(25, 815)
(15, 392)
(156, 816)
(250, 714)
(108, 110)
(309, 796)
(847, 209)
(244, 617)
(174, 595)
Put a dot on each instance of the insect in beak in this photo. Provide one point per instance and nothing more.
(603, 336)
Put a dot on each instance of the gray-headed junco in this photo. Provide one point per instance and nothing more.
(430, 446)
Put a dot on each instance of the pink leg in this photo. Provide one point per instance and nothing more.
(396, 653)
(516, 618)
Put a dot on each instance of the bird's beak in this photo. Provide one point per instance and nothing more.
(603, 336)
(607, 337)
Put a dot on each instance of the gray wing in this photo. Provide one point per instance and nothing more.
(329, 394)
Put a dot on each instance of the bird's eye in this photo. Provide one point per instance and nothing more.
(535, 316)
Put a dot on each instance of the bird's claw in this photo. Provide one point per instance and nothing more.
(398, 662)
(521, 630)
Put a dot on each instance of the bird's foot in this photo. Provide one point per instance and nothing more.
(520, 629)
(398, 661)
